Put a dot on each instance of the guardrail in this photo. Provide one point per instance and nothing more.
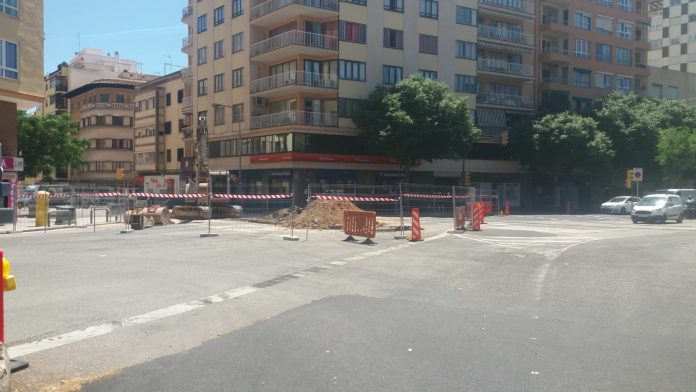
(295, 78)
(295, 117)
(294, 37)
(504, 99)
(492, 65)
(504, 35)
(514, 5)
(271, 6)
(108, 105)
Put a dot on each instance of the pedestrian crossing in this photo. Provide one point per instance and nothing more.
(549, 247)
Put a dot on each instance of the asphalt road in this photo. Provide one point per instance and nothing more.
(531, 303)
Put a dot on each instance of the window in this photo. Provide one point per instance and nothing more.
(179, 154)
(583, 21)
(120, 98)
(582, 48)
(168, 128)
(348, 107)
(623, 56)
(429, 8)
(464, 84)
(466, 50)
(103, 98)
(219, 83)
(9, 59)
(9, 7)
(238, 113)
(202, 55)
(603, 53)
(167, 99)
(606, 3)
(202, 87)
(466, 16)
(428, 74)
(117, 120)
(604, 25)
(180, 96)
(672, 92)
(219, 15)
(358, 2)
(237, 77)
(624, 30)
(351, 70)
(238, 42)
(237, 8)
(219, 115)
(393, 39)
(202, 23)
(626, 5)
(352, 32)
(427, 44)
(394, 5)
(656, 91)
(391, 74)
(219, 49)
(603, 80)
(581, 77)
(624, 83)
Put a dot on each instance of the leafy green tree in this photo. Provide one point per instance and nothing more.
(677, 154)
(564, 143)
(417, 119)
(48, 144)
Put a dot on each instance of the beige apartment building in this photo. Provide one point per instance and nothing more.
(589, 48)
(278, 81)
(104, 112)
(21, 65)
(163, 134)
(673, 35)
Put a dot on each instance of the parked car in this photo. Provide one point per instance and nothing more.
(620, 205)
(658, 208)
(27, 197)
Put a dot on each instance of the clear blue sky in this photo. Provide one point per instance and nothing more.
(147, 31)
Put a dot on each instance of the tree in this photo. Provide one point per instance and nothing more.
(48, 144)
(563, 143)
(417, 119)
(677, 153)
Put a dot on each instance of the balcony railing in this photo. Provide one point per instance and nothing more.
(554, 79)
(270, 6)
(504, 35)
(504, 99)
(108, 105)
(492, 65)
(551, 19)
(514, 5)
(295, 78)
(186, 12)
(553, 49)
(186, 42)
(294, 37)
(187, 104)
(319, 119)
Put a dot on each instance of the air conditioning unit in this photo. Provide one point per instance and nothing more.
(260, 102)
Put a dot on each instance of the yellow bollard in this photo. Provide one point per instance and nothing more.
(42, 208)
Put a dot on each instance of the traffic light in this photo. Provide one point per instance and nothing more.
(504, 138)
(628, 183)
(467, 178)
(120, 173)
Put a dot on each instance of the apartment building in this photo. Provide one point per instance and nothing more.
(104, 112)
(505, 65)
(278, 82)
(87, 65)
(21, 68)
(673, 35)
(589, 48)
(163, 134)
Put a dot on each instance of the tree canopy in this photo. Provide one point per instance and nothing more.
(48, 144)
(677, 154)
(417, 119)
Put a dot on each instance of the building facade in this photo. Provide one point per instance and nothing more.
(673, 35)
(21, 65)
(590, 48)
(672, 84)
(278, 82)
(162, 134)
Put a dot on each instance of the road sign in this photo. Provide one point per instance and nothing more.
(637, 174)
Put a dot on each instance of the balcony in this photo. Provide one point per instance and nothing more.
(186, 42)
(107, 105)
(187, 132)
(505, 35)
(513, 101)
(552, 24)
(299, 81)
(318, 119)
(186, 12)
(274, 12)
(504, 67)
(508, 6)
(187, 105)
(555, 54)
(554, 80)
(280, 46)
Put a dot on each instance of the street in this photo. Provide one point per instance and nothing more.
(531, 303)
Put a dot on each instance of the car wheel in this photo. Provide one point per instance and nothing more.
(623, 211)
(634, 220)
(664, 218)
(680, 218)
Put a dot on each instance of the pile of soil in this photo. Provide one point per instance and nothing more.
(319, 214)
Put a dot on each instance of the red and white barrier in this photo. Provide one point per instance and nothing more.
(160, 195)
(415, 225)
(354, 198)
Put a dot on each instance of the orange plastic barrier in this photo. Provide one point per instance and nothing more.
(479, 213)
(360, 223)
(415, 225)
(460, 217)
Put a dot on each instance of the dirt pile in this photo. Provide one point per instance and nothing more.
(319, 214)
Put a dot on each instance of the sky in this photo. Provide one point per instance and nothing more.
(147, 31)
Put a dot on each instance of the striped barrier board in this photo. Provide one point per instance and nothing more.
(432, 196)
(159, 195)
(354, 198)
(415, 225)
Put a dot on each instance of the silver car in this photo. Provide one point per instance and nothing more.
(620, 205)
(658, 208)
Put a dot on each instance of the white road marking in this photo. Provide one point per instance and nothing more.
(541, 277)
(338, 263)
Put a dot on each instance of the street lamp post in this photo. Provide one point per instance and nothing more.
(239, 138)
